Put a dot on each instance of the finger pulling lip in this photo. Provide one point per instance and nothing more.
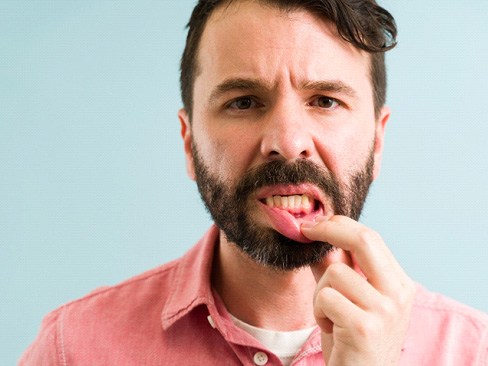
(288, 206)
(287, 224)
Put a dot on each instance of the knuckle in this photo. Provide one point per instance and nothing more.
(388, 309)
(368, 237)
(323, 296)
(367, 327)
(335, 270)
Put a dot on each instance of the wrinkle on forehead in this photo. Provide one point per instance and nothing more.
(249, 40)
(231, 8)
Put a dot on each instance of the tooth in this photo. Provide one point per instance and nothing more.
(291, 201)
(298, 201)
(305, 201)
(294, 202)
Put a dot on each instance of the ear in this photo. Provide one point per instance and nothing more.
(186, 136)
(380, 139)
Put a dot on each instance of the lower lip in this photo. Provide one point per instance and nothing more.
(287, 224)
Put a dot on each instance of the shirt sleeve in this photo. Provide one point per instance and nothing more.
(44, 351)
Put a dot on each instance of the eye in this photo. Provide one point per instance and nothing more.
(243, 103)
(324, 102)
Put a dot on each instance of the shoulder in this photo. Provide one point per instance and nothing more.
(139, 285)
(126, 320)
(443, 329)
(446, 310)
(148, 290)
(151, 288)
(92, 319)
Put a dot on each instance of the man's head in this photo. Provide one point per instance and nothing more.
(284, 117)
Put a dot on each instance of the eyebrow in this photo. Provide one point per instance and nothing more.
(237, 84)
(330, 86)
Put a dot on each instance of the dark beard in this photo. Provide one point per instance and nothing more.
(229, 207)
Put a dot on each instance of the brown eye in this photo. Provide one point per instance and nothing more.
(326, 102)
(242, 103)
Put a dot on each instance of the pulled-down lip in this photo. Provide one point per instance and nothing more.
(288, 221)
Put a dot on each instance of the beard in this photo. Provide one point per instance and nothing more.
(230, 207)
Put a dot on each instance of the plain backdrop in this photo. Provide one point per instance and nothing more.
(93, 187)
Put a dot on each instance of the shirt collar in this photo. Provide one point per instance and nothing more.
(192, 285)
(192, 288)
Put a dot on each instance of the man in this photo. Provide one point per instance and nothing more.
(283, 128)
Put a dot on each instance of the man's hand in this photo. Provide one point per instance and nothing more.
(363, 298)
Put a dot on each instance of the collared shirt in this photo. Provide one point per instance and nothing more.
(172, 316)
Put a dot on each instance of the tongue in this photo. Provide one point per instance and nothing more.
(289, 225)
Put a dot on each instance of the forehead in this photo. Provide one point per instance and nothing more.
(249, 39)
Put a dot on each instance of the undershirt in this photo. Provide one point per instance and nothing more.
(285, 345)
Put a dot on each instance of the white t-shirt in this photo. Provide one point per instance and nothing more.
(285, 345)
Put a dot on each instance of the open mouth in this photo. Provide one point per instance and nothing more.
(287, 207)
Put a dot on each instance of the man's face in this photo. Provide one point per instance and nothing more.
(283, 129)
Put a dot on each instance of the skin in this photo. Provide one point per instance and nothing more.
(359, 295)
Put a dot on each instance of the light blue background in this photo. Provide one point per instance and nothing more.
(93, 187)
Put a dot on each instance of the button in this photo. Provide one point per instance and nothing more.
(260, 358)
(210, 320)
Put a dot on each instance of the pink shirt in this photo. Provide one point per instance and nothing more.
(171, 316)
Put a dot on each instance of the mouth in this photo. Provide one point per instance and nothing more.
(287, 207)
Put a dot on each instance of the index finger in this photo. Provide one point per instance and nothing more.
(370, 252)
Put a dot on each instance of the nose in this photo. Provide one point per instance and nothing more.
(286, 135)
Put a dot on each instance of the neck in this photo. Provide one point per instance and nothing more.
(262, 296)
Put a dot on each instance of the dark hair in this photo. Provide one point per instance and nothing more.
(363, 23)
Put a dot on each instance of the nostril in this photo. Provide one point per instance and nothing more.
(274, 155)
(305, 154)
(288, 145)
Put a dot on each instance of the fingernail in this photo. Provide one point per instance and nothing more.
(318, 219)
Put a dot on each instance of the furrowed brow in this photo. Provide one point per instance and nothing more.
(333, 86)
(236, 84)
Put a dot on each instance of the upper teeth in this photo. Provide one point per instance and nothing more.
(302, 202)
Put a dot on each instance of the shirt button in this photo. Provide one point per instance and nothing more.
(260, 358)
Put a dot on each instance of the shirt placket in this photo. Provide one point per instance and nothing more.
(250, 353)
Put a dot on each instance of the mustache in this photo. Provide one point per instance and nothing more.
(281, 172)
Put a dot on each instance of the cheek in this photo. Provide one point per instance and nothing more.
(226, 155)
(346, 150)
(235, 157)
